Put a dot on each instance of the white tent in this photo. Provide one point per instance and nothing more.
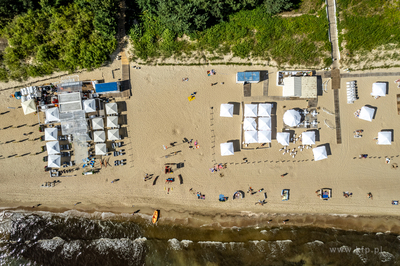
(100, 149)
(99, 136)
(250, 137)
(111, 108)
(226, 149)
(226, 110)
(53, 147)
(112, 121)
(384, 138)
(89, 105)
(249, 124)
(367, 113)
(308, 138)
(29, 106)
(54, 161)
(264, 136)
(52, 115)
(320, 153)
(264, 109)
(50, 133)
(292, 118)
(113, 134)
(250, 110)
(97, 123)
(379, 89)
(264, 123)
(283, 138)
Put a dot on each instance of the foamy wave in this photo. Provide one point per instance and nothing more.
(379, 233)
(316, 242)
(363, 257)
(122, 245)
(51, 244)
(70, 248)
(385, 256)
(174, 244)
(186, 243)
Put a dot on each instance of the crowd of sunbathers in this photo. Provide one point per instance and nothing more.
(347, 194)
(200, 196)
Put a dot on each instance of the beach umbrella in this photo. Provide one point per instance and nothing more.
(226, 110)
(249, 124)
(226, 149)
(250, 137)
(320, 153)
(264, 109)
(54, 161)
(308, 138)
(238, 195)
(283, 138)
(52, 114)
(111, 108)
(53, 147)
(50, 133)
(99, 136)
(379, 89)
(221, 197)
(292, 118)
(113, 134)
(367, 113)
(384, 138)
(112, 121)
(264, 136)
(89, 105)
(264, 123)
(29, 106)
(250, 110)
(100, 149)
(97, 123)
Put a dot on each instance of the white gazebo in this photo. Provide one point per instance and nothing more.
(226, 149)
(100, 149)
(264, 109)
(54, 161)
(379, 89)
(367, 113)
(250, 137)
(113, 134)
(292, 118)
(112, 121)
(320, 153)
(52, 115)
(384, 138)
(250, 110)
(50, 133)
(111, 108)
(99, 136)
(29, 106)
(226, 110)
(308, 138)
(53, 147)
(264, 136)
(264, 123)
(98, 123)
(89, 105)
(283, 138)
(249, 124)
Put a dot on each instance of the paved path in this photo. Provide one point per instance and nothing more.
(333, 33)
(376, 74)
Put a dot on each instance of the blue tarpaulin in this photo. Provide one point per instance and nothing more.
(248, 76)
(107, 87)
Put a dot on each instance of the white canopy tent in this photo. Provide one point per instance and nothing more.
(100, 149)
(50, 133)
(264, 109)
(99, 136)
(111, 108)
(308, 138)
(264, 136)
(53, 147)
(98, 123)
(292, 118)
(367, 113)
(52, 115)
(54, 161)
(283, 138)
(89, 105)
(29, 106)
(113, 134)
(379, 89)
(112, 121)
(320, 153)
(226, 110)
(250, 110)
(249, 124)
(264, 123)
(250, 137)
(384, 138)
(226, 149)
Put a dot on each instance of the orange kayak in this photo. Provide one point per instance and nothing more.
(155, 217)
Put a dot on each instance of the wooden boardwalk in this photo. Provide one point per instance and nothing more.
(247, 89)
(337, 117)
(377, 74)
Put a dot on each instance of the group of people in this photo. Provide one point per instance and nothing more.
(217, 167)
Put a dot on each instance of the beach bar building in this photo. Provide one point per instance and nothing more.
(301, 87)
(247, 77)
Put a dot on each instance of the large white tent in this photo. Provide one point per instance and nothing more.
(226, 110)
(54, 161)
(226, 149)
(283, 138)
(250, 137)
(113, 134)
(89, 105)
(97, 123)
(99, 136)
(111, 108)
(50, 133)
(29, 106)
(320, 153)
(292, 118)
(264, 136)
(379, 89)
(250, 110)
(264, 109)
(249, 124)
(52, 115)
(384, 138)
(367, 113)
(53, 147)
(264, 123)
(308, 138)
(112, 121)
(100, 149)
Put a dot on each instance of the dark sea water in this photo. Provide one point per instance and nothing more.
(70, 238)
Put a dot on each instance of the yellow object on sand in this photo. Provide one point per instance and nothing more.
(191, 98)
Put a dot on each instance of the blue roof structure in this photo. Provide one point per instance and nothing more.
(248, 76)
(107, 87)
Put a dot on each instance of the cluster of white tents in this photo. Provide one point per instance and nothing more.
(308, 138)
(53, 148)
(257, 123)
(99, 136)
